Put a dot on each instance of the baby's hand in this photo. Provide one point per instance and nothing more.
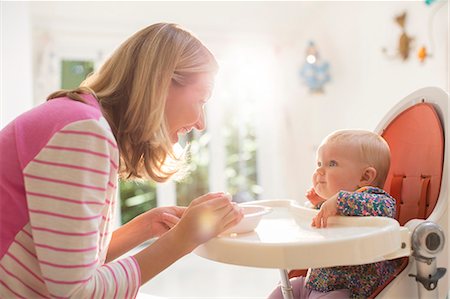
(312, 196)
(328, 208)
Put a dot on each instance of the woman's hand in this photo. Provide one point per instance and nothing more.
(206, 217)
(328, 208)
(157, 221)
(153, 223)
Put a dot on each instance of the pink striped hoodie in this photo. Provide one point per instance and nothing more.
(58, 184)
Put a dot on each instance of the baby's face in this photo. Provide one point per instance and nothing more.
(338, 168)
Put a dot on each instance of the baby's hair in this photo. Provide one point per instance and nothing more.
(373, 150)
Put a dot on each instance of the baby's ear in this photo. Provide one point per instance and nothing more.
(368, 176)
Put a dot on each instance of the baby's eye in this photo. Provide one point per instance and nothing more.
(332, 163)
(319, 164)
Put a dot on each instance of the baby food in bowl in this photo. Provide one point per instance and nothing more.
(251, 219)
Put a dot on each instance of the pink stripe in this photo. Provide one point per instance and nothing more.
(62, 215)
(69, 266)
(26, 249)
(70, 166)
(138, 268)
(115, 280)
(106, 219)
(104, 283)
(127, 276)
(27, 233)
(114, 164)
(58, 232)
(65, 249)
(93, 292)
(113, 144)
(111, 185)
(17, 278)
(65, 199)
(63, 182)
(25, 267)
(134, 279)
(66, 281)
(104, 234)
(74, 149)
(6, 286)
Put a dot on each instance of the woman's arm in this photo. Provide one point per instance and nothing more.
(125, 238)
(69, 195)
(205, 218)
(148, 225)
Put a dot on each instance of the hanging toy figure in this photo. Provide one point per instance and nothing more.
(422, 54)
(404, 41)
(314, 72)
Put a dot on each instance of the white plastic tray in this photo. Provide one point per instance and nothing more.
(284, 239)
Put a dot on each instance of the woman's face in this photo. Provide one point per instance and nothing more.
(338, 168)
(184, 105)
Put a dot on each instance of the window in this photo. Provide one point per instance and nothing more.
(196, 182)
(73, 72)
(241, 172)
(136, 197)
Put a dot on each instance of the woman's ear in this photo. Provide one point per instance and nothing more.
(368, 177)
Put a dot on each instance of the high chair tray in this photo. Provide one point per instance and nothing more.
(284, 239)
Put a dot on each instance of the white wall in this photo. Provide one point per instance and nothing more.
(16, 67)
(365, 83)
(350, 35)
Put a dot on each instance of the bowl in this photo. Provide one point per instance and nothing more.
(252, 216)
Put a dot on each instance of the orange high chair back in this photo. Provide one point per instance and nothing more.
(416, 140)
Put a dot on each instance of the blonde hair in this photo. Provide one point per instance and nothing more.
(372, 148)
(132, 87)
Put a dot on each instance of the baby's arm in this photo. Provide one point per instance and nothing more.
(365, 204)
(327, 209)
(355, 204)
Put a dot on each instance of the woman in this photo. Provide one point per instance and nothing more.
(61, 160)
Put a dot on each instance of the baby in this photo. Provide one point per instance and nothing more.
(352, 166)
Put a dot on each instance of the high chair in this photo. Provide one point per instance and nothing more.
(416, 130)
